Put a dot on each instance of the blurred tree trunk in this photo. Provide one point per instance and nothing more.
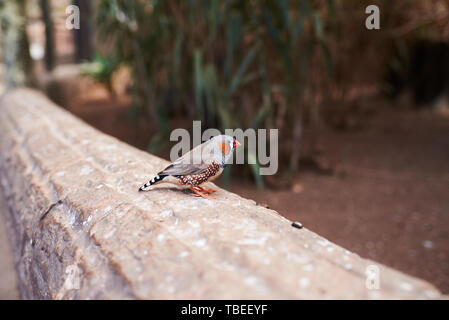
(49, 35)
(84, 36)
(15, 45)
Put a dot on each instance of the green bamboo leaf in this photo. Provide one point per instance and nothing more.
(241, 70)
(263, 72)
(177, 52)
(317, 25)
(298, 28)
(214, 14)
(226, 119)
(233, 35)
(283, 48)
(272, 31)
(197, 57)
(327, 57)
(331, 6)
(250, 77)
(210, 91)
(283, 6)
(261, 113)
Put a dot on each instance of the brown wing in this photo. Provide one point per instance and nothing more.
(196, 161)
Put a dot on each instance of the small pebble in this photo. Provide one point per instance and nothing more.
(297, 224)
(427, 244)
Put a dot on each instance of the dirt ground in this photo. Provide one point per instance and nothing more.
(387, 200)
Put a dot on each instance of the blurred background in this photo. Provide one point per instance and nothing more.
(363, 115)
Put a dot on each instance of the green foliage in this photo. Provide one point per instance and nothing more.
(216, 61)
(102, 69)
(15, 45)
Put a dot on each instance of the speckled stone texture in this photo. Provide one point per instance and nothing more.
(8, 281)
(82, 230)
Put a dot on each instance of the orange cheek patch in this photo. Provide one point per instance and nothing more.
(224, 147)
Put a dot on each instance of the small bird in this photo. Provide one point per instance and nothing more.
(202, 164)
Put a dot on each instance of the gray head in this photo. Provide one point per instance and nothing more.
(220, 148)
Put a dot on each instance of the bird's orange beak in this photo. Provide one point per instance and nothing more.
(236, 143)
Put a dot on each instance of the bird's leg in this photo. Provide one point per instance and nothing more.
(200, 194)
(196, 191)
(206, 190)
(195, 194)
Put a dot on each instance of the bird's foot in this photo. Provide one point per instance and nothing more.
(197, 193)
(206, 190)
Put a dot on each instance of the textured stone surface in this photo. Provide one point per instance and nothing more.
(8, 283)
(80, 228)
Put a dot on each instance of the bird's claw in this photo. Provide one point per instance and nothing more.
(206, 190)
(197, 193)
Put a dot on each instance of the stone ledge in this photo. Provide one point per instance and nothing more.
(80, 229)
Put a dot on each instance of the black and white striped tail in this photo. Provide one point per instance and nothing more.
(156, 179)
